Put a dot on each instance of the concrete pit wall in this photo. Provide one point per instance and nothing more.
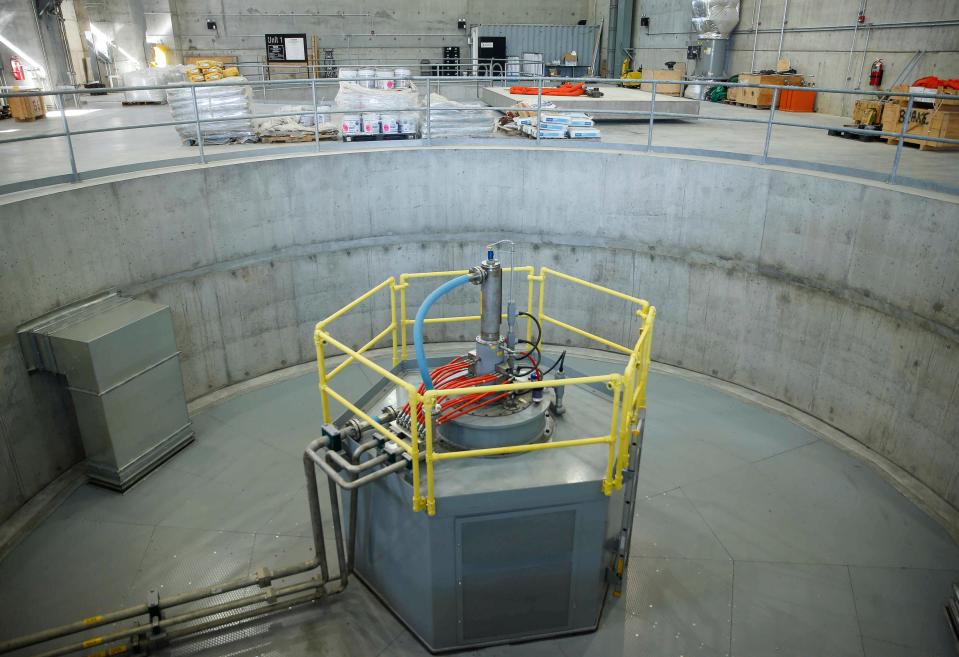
(837, 297)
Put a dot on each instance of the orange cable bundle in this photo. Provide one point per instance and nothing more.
(565, 89)
(932, 82)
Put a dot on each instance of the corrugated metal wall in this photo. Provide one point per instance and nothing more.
(553, 41)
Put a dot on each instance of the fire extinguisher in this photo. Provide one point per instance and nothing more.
(875, 73)
(16, 66)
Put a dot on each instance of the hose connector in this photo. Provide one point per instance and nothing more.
(477, 275)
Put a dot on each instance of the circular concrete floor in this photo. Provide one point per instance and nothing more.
(753, 537)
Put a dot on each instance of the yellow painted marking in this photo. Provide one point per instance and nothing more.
(95, 641)
(92, 620)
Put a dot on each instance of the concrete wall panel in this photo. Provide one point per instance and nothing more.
(836, 297)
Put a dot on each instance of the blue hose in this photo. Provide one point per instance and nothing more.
(421, 316)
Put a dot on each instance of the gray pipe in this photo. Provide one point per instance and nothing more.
(759, 8)
(265, 596)
(782, 31)
(319, 559)
(862, 64)
(356, 483)
(356, 469)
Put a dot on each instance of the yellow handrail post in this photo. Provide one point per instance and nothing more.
(629, 387)
(530, 282)
(617, 386)
(418, 502)
(542, 294)
(625, 420)
(393, 324)
(321, 365)
(428, 403)
(402, 288)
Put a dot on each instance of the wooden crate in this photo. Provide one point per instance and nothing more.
(762, 98)
(732, 94)
(868, 112)
(678, 73)
(925, 122)
(27, 108)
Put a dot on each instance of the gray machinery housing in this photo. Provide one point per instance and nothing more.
(121, 365)
(522, 546)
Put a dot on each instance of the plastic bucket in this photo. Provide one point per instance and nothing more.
(406, 125)
(365, 77)
(384, 80)
(346, 74)
(401, 78)
(371, 123)
(388, 124)
(351, 124)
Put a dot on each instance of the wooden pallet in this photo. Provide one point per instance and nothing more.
(141, 102)
(297, 138)
(738, 104)
(846, 134)
(392, 137)
(922, 145)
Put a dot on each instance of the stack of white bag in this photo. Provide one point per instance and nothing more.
(352, 98)
(149, 77)
(449, 118)
(222, 99)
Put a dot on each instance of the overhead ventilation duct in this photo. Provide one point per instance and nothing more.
(714, 21)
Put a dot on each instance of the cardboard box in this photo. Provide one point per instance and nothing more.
(678, 73)
(763, 98)
(923, 121)
(868, 112)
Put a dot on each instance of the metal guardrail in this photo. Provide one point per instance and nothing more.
(629, 388)
(431, 83)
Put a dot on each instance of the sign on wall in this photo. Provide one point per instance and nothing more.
(286, 47)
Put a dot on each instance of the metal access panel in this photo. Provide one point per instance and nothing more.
(122, 368)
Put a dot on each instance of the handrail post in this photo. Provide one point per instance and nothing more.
(539, 105)
(66, 129)
(316, 115)
(652, 119)
(429, 112)
(199, 130)
(769, 124)
(902, 139)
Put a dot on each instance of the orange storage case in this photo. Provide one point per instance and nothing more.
(794, 100)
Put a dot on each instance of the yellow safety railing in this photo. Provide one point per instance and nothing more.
(628, 388)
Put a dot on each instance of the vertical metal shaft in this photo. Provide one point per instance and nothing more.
(782, 31)
(862, 64)
(902, 134)
(491, 301)
(769, 124)
(199, 130)
(759, 8)
(429, 113)
(66, 130)
(316, 116)
(652, 119)
(539, 104)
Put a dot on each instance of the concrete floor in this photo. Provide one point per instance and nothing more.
(753, 538)
(39, 159)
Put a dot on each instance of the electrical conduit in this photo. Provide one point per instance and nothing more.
(433, 297)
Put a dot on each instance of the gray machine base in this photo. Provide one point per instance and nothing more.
(425, 644)
(123, 478)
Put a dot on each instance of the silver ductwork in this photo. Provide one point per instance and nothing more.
(715, 19)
